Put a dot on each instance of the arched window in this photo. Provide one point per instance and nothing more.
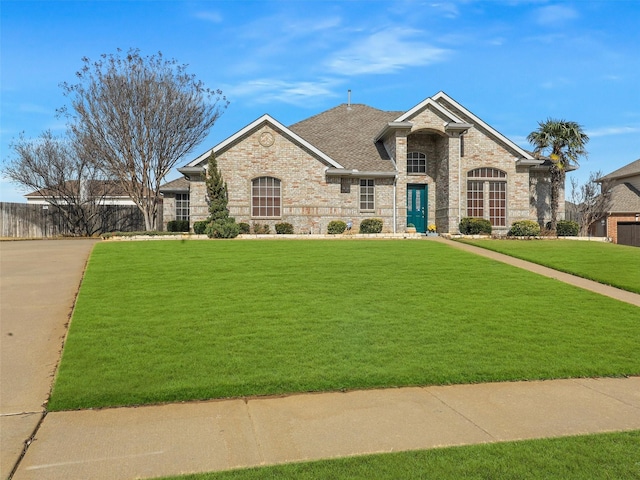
(416, 162)
(265, 197)
(487, 187)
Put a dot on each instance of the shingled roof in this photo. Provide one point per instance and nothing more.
(178, 185)
(625, 198)
(346, 133)
(627, 171)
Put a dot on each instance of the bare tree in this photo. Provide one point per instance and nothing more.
(592, 200)
(137, 117)
(56, 171)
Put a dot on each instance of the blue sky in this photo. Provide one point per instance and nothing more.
(513, 62)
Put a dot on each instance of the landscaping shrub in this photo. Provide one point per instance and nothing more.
(524, 228)
(178, 226)
(200, 227)
(371, 225)
(336, 227)
(260, 229)
(227, 228)
(284, 228)
(475, 226)
(567, 228)
(244, 227)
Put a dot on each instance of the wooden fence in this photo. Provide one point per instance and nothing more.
(22, 220)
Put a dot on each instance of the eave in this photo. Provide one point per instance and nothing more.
(344, 172)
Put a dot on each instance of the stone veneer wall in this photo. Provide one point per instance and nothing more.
(310, 199)
(168, 209)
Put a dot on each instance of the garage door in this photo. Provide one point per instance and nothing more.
(629, 233)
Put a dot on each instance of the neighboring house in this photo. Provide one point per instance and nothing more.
(622, 220)
(433, 164)
(109, 192)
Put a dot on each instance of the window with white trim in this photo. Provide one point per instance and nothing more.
(266, 197)
(182, 206)
(485, 188)
(416, 162)
(367, 194)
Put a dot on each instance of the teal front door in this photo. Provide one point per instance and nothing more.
(417, 207)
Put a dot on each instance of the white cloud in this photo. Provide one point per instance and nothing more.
(608, 131)
(386, 51)
(33, 108)
(209, 16)
(448, 9)
(555, 15)
(267, 90)
(556, 82)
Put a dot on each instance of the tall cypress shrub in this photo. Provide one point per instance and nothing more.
(221, 225)
(216, 191)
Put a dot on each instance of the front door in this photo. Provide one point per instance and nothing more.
(417, 207)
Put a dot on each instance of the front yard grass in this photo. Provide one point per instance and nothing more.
(174, 321)
(589, 457)
(608, 263)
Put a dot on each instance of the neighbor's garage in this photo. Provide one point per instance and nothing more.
(629, 233)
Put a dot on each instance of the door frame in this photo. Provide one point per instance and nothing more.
(424, 204)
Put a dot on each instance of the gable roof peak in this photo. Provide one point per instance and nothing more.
(265, 119)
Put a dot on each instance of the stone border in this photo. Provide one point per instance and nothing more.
(273, 236)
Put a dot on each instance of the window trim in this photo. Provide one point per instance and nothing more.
(181, 207)
(270, 203)
(490, 200)
(369, 184)
(416, 158)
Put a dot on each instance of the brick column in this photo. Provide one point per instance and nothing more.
(401, 186)
(455, 202)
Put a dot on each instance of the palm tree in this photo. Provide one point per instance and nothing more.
(564, 142)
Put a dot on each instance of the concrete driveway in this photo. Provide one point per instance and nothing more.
(39, 280)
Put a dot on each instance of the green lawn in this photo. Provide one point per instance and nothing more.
(617, 265)
(164, 321)
(613, 456)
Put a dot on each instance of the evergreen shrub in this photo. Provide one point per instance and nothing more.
(336, 227)
(475, 226)
(244, 227)
(226, 228)
(567, 228)
(371, 225)
(178, 226)
(524, 228)
(199, 228)
(284, 228)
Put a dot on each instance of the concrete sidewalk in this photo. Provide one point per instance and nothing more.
(39, 280)
(618, 294)
(146, 442)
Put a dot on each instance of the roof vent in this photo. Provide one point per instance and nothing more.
(349, 99)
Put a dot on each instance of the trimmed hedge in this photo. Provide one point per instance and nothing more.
(244, 227)
(371, 225)
(336, 227)
(524, 228)
(199, 228)
(178, 226)
(284, 228)
(475, 226)
(226, 228)
(567, 228)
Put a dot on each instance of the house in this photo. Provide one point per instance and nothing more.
(621, 222)
(107, 192)
(433, 164)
